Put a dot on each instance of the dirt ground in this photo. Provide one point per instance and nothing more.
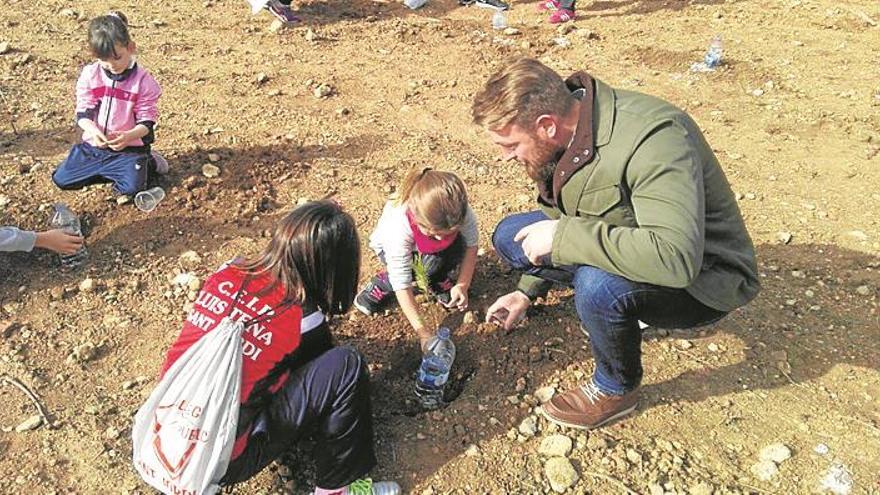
(794, 117)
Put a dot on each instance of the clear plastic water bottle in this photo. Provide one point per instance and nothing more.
(714, 53)
(434, 371)
(499, 19)
(415, 4)
(64, 218)
(385, 488)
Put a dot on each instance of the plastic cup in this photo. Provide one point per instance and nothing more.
(147, 201)
(499, 19)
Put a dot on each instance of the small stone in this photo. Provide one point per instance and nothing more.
(776, 452)
(469, 318)
(713, 347)
(528, 427)
(784, 237)
(520, 384)
(544, 394)
(82, 353)
(565, 28)
(562, 41)
(821, 449)
(757, 92)
(684, 344)
(764, 470)
(31, 423)
(123, 199)
(751, 196)
(210, 171)
(342, 112)
(586, 33)
(472, 451)
(560, 473)
(87, 285)
(56, 293)
(310, 36)
(111, 433)
(213, 157)
(276, 27)
(596, 442)
(555, 446)
(190, 259)
(526, 45)
(511, 31)
(633, 456)
(261, 78)
(863, 290)
(273, 92)
(4, 47)
(323, 91)
(655, 489)
(701, 488)
(837, 480)
(798, 274)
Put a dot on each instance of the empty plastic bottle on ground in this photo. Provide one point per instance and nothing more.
(415, 4)
(434, 371)
(714, 53)
(65, 219)
(381, 488)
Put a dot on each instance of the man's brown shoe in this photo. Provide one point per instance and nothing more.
(587, 407)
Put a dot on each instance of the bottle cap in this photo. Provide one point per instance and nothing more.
(444, 332)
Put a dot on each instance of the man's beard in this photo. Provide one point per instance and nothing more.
(542, 168)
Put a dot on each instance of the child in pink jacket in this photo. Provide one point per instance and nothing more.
(116, 109)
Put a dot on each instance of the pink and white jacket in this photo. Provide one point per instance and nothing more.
(118, 102)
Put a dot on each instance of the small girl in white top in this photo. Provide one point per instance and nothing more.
(428, 222)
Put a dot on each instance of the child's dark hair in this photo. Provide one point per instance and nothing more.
(315, 254)
(107, 31)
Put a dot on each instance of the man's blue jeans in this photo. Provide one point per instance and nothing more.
(609, 306)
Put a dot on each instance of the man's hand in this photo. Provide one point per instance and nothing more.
(59, 241)
(537, 240)
(458, 297)
(508, 310)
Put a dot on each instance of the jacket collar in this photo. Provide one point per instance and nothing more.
(122, 76)
(595, 123)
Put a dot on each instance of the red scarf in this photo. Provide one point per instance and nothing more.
(426, 244)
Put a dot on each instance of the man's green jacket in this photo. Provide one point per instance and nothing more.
(639, 193)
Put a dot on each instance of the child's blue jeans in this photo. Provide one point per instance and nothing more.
(86, 165)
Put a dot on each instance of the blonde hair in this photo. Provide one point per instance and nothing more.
(519, 94)
(436, 199)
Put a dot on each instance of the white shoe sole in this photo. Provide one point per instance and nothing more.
(617, 416)
(362, 309)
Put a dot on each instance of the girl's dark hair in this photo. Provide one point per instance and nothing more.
(315, 255)
(107, 31)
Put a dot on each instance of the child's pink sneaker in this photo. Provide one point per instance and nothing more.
(560, 16)
(545, 5)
